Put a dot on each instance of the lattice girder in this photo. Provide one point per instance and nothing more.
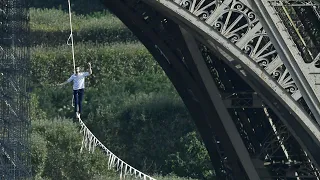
(253, 125)
(152, 18)
(238, 23)
(247, 48)
(303, 70)
(268, 144)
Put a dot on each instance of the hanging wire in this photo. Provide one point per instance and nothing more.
(71, 37)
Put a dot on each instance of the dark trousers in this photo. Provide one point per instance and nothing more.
(78, 95)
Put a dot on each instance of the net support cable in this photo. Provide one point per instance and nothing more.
(90, 142)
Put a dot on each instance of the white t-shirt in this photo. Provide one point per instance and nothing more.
(78, 80)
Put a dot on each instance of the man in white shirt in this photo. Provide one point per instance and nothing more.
(78, 88)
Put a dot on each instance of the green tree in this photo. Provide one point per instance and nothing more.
(154, 132)
(56, 152)
(191, 158)
(129, 104)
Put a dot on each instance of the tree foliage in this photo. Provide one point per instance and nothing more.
(129, 104)
(78, 6)
(50, 27)
(56, 152)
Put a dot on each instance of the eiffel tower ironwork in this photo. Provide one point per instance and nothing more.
(246, 71)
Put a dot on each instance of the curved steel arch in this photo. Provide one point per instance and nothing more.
(191, 91)
(195, 98)
(305, 129)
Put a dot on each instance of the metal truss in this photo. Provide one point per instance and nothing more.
(300, 67)
(212, 23)
(158, 29)
(227, 122)
(14, 102)
(301, 28)
(292, 162)
(152, 30)
(270, 152)
(242, 100)
(299, 3)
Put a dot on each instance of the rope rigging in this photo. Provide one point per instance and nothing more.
(71, 37)
(90, 141)
(72, 46)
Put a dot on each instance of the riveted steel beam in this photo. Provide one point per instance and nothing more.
(215, 97)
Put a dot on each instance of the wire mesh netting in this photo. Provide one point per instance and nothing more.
(14, 103)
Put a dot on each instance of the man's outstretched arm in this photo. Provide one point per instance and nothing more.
(66, 82)
(61, 84)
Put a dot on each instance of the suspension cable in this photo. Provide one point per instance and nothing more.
(71, 37)
(72, 46)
